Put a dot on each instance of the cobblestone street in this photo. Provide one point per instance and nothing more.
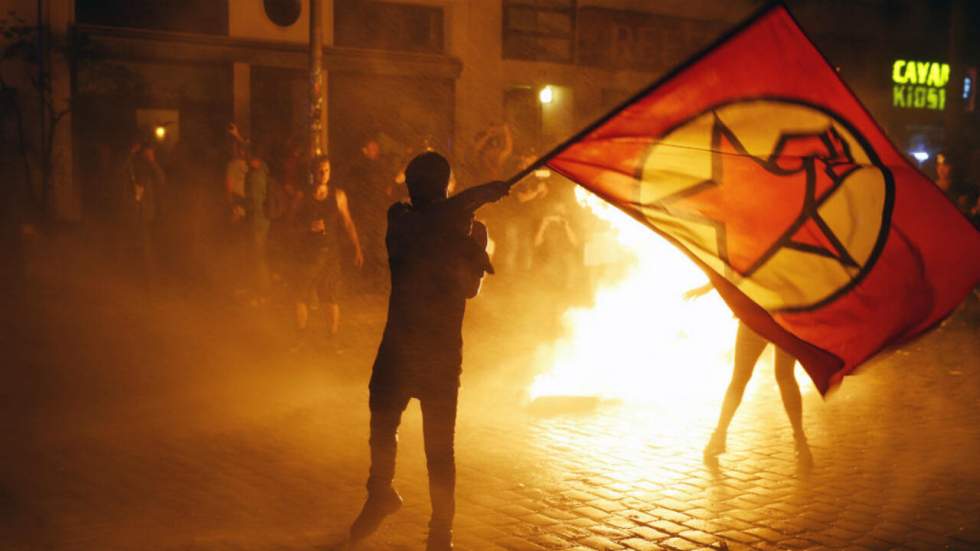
(206, 447)
(705, 272)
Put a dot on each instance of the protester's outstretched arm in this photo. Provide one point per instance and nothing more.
(350, 227)
(475, 197)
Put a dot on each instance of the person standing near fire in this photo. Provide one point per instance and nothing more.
(748, 347)
(437, 255)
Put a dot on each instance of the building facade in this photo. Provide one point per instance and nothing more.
(433, 72)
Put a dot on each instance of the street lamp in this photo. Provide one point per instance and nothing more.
(546, 95)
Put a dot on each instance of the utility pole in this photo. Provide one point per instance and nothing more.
(42, 88)
(317, 93)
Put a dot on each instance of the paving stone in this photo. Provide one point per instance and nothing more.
(618, 521)
(591, 512)
(639, 516)
(649, 534)
(558, 514)
(609, 531)
(796, 543)
(735, 535)
(667, 526)
(765, 534)
(600, 543)
(669, 514)
(514, 543)
(680, 544)
(642, 545)
(607, 505)
(698, 536)
(550, 541)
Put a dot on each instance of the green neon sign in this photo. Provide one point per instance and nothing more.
(919, 84)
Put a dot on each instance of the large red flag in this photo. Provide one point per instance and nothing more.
(758, 161)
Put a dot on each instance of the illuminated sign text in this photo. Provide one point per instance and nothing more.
(919, 84)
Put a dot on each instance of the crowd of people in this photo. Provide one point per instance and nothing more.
(275, 232)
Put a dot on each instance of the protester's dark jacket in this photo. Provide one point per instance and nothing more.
(437, 258)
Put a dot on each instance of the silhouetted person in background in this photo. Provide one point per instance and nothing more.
(258, 219)
(368, 178)
(437, 254)
(748, 347)
(321, 216)
(138, 212)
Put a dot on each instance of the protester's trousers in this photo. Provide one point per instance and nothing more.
(438, 427)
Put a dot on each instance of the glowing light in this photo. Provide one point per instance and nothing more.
(546, 95)
(160, 132)
(919, 84)
(921, 156)
(642, 340)
(928, 73)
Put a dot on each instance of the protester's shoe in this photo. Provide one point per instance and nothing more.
(716, 446)
(379, 504)
(439, 540)
(804, 459)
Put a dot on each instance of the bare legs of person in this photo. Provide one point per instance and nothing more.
(789, 390)
(748, 347)
(302, 314)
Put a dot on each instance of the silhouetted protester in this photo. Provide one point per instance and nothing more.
(369, 176)
(137, 212)
(519, 220)
(258, 216)
(437, 255)
(237, 237)
(950, 178)
(492, 149)
(321, 216)
(284, 200)
(556, 248)
(748, 347)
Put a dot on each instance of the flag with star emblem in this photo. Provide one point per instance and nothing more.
(758, 162)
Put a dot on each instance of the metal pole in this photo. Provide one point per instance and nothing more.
(42, 87)
(317, 134)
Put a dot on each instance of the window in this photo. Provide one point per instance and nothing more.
(190, 16)
(388, 26)
(282, 12)
(623, 39)
(522, 111)
(539, 30)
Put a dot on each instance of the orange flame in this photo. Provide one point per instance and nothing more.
(642, 340)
